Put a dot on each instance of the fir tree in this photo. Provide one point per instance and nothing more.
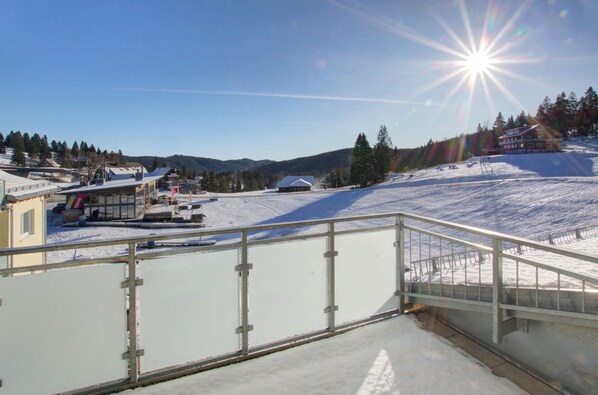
(382, 155)
(154, 164)
(362, 162)
(18, 153)
(499, 124)
(2, 144)
(521, 120)
(510, 123)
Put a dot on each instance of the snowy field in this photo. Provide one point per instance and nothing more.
(391, 357)
(522, 195)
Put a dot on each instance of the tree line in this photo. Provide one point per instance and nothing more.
(564, 117)
(363, 165)
(77, 155)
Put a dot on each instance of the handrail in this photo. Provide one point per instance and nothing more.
(553, 269)
(280, 225)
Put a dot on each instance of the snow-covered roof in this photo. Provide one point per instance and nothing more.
(296, 181)
(52, 163)
(301, 183)
(125, 170)
(19, 188)
(115, 184)
(516, 132)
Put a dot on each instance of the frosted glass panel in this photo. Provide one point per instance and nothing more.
(188, 308)
(62, 330)
(365, 274)
(287, 290)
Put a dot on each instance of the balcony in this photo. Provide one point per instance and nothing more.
(118, 322)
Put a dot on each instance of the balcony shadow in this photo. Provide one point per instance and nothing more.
(326, 207)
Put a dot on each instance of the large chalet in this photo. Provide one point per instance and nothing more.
(528, 139)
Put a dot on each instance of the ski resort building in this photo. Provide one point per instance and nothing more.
(126, 171)
(22, 217)
(528, 139)
(295, 184)
(114, 200)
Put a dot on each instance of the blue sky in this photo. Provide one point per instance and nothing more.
(280, 79)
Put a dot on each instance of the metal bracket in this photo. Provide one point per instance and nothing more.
(328, 310)
(396, 244)
(0, 301)
(239, 330)
(241, 267)
(327, 254)
(399, 293)
(522, 325)
(139, 353)
(138, 283)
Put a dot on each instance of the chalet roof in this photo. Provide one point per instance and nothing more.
(296, 181)
(516, 132)
(19, 188)
(122, 170)
(52, 162)
(110, 185)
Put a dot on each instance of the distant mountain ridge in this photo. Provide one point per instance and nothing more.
(199, 164)
(309, 165)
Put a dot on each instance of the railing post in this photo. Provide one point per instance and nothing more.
(330, 274)
(496, 291)
(400, 256)
(132, 316)
(243, 270)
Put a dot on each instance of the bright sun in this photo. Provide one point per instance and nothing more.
(478, 63)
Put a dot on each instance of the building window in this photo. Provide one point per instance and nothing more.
(27, 223)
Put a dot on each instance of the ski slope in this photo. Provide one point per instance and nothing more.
(522, 195)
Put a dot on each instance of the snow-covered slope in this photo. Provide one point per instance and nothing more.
(523, 195)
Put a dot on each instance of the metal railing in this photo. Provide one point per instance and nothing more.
(427, 261)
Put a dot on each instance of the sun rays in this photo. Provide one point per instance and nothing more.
(475, 61)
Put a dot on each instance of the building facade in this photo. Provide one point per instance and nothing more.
(23, 218)
(295, 184)
(113, 200)
(528, 139)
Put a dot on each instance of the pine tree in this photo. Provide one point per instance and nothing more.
(510, 123)
(154, 164)
(2, 144)
(27, 142)
(35, 146)
(18, 153)
(590, 116)
(75, 150)
(560, 115)
(521, 120)
(382, 154)
(362, 162)
(499, 124)
(543, 115)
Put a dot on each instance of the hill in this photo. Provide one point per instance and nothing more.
(311, 165)
(199, 164)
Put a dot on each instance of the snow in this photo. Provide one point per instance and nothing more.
(521, 195)
(391, 357)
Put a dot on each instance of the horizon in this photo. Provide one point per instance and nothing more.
(255, 80)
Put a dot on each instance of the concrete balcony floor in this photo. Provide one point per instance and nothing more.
(396, 356)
